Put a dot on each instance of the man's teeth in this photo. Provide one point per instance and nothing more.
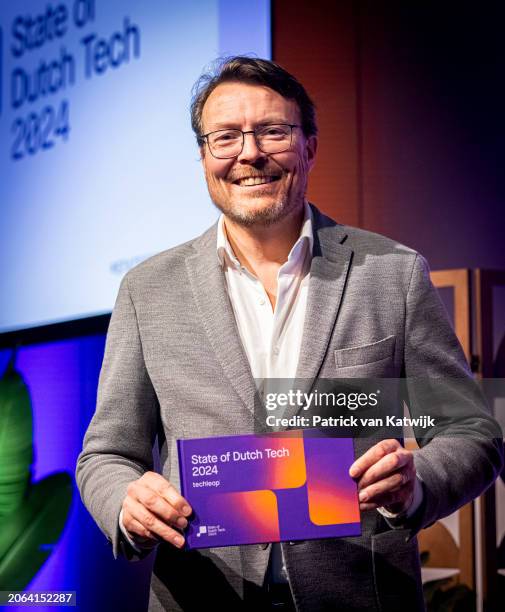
(255, 180)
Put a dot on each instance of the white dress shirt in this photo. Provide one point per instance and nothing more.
(271, 337)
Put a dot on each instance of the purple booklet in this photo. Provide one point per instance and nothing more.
(251, 489)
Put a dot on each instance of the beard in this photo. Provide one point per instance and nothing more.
(264, 215)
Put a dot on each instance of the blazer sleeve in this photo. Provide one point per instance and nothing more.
(118, 444)
(462, 454)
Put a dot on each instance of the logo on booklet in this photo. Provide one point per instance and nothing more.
(210, 530)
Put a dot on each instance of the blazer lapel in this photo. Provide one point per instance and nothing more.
(211, 296)
(331, 261)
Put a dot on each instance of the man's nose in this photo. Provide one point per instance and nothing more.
(250, 151)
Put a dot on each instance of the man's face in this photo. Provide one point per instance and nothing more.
(283, 175)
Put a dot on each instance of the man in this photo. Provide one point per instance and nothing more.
(274, 290)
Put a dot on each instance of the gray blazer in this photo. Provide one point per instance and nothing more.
(174, 367)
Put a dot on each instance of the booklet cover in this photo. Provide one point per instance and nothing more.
(251, 489)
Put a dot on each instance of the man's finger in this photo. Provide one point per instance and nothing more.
(167, 490)
(139, 533)
(373, 455)
(387, 465)
(174, 498)
(151, 523)
(396, 501)
(386, 486)
(158, 505)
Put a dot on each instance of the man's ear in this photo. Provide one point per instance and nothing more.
(311, 148)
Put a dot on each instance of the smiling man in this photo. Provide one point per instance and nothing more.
(274, 290)
(259, 158)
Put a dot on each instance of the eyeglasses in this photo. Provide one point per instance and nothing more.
(274, 138)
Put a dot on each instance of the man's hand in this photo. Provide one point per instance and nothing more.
(386, 476)
(151, 510)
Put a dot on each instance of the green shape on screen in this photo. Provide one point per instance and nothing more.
(32, 515)
(16, 440)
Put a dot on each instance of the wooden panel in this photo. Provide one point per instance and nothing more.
(459, 281)
(485, 281)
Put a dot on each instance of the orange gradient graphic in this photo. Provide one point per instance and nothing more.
(288, 471)
(330, 506)
(250, 513)
(332, 495)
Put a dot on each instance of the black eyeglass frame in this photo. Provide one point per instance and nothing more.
(204, 137)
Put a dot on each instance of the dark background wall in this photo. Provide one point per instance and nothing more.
(411, 102)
